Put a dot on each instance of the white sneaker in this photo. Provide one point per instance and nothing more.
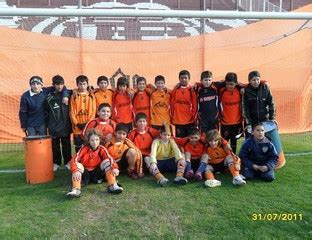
(67, 166)
(180, 180)
(212, 183)
(55, 167)
(74, 193)
(242, 176)
(238, 181)
(115, 189)
(163, 181)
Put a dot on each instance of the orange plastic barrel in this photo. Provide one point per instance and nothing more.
(38, 159)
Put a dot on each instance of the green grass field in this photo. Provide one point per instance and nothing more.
(146, 211)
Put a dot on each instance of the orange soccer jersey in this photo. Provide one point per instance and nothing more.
(103, 126)
(218, 154)
(82, 109)
(160, 107)
(141, 103)
(196, 150)
(231, 106)
(143, 140)
(117, 150)
(103, 96)
(90, 159)
(183, 105)
(122, 107)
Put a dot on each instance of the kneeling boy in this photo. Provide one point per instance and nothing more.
(220, 157)
(125, 153)
(91, 163)
(259, 156)
(166, 156)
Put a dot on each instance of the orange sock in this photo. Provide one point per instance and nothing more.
(234, 172)
(111, 179)
(180, 168)
(158, 176)
(209, 175)
(76, 184)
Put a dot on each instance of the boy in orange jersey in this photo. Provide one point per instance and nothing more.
(102, 123)
(82, 109)
(141, 99)
(183, 105)
(231, 110)
(103, 94)
(125, 153)
(220, 157)
(92, 163)
(193, 148)
(122, 107)
(166, 156)
(160, 104)
(142, 136)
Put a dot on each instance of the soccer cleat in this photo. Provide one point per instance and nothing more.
(115, 189)
(163, 181)
(198, 176)
(238, 180)
(212, 183)
(132, 174)
(55, 167)
(180, 180)
(189, 174)
(74, 193)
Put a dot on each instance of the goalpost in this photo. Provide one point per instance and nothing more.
(280, 49)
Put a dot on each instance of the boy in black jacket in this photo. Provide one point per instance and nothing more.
(258, 102)
(59, 125)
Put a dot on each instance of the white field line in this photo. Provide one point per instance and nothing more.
(287, 155)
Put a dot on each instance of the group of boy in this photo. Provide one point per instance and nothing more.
(213, 107)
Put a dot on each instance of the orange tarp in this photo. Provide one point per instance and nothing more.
(273, 47)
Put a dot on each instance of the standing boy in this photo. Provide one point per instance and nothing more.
(231, 110)
(82, 109)
(208, 103)
(183, 105)
(59, 125)
(141, 99)
(103, 94)
(160, 104)
(258, 101)
(122, 107)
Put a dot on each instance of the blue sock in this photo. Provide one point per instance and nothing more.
(188, 166)
(202, 167)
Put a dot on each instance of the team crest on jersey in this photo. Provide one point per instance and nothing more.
(55, 106)
(265, 149)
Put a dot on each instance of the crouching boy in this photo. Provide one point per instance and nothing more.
(259, 156)
(166, 156)
(125, 153)
(219, 158)
(92, 163)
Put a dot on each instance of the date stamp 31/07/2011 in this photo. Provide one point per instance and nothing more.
(277, 217)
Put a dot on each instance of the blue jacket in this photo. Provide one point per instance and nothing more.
(260, 153)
